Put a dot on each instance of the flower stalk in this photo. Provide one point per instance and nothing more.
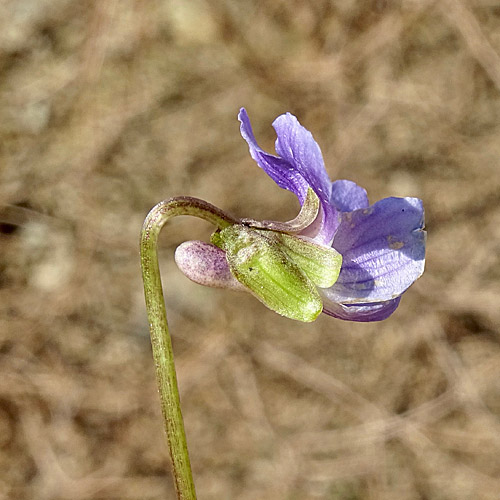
(160, 337)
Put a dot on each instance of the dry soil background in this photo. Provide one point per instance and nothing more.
(107, 107)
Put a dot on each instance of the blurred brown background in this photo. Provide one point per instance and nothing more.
(106, 108)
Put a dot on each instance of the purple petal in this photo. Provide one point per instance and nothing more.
(296, 145)
(278, 169)
(376, 311)
(205, 264)
(299, 165)
(383, 250)
(347, 196)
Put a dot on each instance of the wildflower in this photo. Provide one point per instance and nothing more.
(368, 254)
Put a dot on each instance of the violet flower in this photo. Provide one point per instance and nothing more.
(382, 245)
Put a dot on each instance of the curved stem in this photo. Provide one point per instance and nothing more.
(160, 337)
(308, 212)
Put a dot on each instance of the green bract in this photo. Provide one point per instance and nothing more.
(280, 269)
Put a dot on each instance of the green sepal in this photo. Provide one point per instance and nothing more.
(258, 261)
(216, 239)
(320, 263)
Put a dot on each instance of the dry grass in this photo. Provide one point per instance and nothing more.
(107, 108)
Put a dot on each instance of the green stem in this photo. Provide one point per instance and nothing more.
(160, 337)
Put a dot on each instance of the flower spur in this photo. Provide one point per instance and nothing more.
(341, 255)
